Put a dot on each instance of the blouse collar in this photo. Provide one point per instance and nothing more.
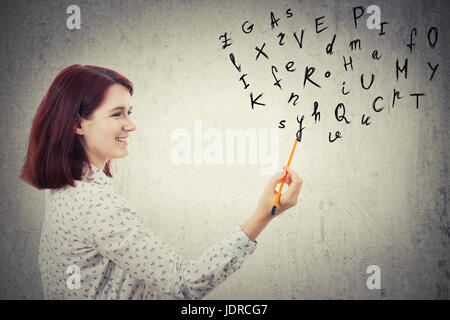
(96, 175)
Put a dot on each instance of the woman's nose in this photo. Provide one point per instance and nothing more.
(130, 125)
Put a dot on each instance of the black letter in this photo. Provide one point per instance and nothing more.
(243, 80)
(225, 40)
(355, 43)
(411, 44)
(435, 36)
(357, 17)
(281, 36)
(365, 120)
(273, 21)
(344, 93)
(289, 65)
(375, 101)
(300, 43)
(329, 49)
(396, 95)
(249, 29)
(296, 96)
(336, 136)
(346, 64)
(315, 113)
(261, 51)
(417, 98)
(375, 55)
(318, 24)
(299, 132)
(254, 100)
(233, 60)
(434, 69)
(405, 68)
(288, 13)
(371, 81)
(381, 31)
(340, 117)
(277, 82)
(308, 73)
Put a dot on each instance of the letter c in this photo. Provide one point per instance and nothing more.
(374, 102)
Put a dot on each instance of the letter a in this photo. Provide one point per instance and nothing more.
(181, 153)
(73, 282)
(374, 281)
(373, 22)
(73, 21)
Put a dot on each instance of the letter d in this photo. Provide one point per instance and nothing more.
(229, 309)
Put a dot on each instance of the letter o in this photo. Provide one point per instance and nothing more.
(435, 36)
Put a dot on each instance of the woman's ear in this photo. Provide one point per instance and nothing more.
(79, 126)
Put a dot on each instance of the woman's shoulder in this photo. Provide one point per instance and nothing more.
(85, 199)
(82, 191)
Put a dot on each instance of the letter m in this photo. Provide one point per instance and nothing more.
(355, 43)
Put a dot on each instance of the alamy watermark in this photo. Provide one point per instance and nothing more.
(74, 280)
(74, 20)
(374, 280)
(231, 146)
(373, 21)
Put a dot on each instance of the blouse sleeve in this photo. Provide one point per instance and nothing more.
(116, 232)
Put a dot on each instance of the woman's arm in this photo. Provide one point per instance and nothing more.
(111, 226)
(261, 217)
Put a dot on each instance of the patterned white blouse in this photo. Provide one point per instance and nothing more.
(94, 247)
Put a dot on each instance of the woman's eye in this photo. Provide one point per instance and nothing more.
(118, 114)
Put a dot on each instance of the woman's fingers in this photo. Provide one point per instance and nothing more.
(288, 177)
(294, 176)
(295, 183)
(276, 179)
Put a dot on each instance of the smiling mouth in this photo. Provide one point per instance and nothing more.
(122, 140)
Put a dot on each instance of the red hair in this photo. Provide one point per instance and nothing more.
(55, 156)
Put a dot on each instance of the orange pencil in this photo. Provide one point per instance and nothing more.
(282, 182)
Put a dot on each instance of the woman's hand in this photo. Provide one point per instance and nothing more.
(287, 200)
(261, 217)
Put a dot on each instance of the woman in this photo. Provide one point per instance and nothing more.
(90, 233)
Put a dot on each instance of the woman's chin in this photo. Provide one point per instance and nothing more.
(121, 154)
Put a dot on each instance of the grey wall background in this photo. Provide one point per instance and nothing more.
(378, 196)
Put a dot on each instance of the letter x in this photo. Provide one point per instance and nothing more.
(261, 51)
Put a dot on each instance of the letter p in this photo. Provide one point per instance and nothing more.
(356, 17)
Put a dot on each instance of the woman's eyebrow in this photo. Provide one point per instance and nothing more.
(121, 108)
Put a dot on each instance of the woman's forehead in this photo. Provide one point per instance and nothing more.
(116, 96)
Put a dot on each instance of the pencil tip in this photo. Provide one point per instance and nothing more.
(273, 210)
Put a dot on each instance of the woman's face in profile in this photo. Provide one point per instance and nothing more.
(110, 121)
